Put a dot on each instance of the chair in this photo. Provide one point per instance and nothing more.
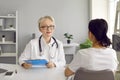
(83, 74)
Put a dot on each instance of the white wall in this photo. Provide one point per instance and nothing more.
(70, 16)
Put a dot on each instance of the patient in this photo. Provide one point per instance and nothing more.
(100, 56)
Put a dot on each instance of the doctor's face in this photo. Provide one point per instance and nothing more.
(47, 27)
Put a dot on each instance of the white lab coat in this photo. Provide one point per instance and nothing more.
(49, 53)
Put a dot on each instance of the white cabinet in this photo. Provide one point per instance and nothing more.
(70, 50)
(8, 37)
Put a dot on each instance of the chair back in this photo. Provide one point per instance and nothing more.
(82, 74)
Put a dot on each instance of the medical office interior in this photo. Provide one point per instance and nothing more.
(19, 23)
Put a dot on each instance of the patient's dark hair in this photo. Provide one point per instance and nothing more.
(99, 28)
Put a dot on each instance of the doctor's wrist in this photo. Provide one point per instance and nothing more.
(22, 64)
(51, 65)
(26, 66)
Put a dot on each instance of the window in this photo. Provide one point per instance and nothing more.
(112, 12)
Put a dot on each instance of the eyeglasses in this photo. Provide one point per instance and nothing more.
(47, 27)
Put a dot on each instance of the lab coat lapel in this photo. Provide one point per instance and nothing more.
(52, 48)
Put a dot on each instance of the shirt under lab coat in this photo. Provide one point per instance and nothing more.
(49, 52)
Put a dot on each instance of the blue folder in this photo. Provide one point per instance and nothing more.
(37, 62)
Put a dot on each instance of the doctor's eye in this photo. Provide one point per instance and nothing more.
(48, 27)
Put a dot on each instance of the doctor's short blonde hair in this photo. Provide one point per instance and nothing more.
(45, 17)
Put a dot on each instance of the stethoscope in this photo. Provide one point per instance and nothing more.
(40, 47)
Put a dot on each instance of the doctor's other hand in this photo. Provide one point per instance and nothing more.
(50, 64)
(26, 65)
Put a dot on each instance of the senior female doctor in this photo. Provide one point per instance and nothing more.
(45, 47)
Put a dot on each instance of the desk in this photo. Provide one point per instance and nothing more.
(33, 73)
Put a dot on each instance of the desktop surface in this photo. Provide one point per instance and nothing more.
(33, 73)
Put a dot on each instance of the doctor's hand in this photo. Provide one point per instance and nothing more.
(50, 64)
(26, 65)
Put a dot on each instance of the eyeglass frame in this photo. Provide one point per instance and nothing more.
(47, 27)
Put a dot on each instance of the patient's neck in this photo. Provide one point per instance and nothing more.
(97, 45)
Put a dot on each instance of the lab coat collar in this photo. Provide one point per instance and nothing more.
(50, 43)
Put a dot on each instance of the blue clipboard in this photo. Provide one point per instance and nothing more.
(37, 62)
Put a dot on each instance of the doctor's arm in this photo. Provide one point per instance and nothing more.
(25, 56)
